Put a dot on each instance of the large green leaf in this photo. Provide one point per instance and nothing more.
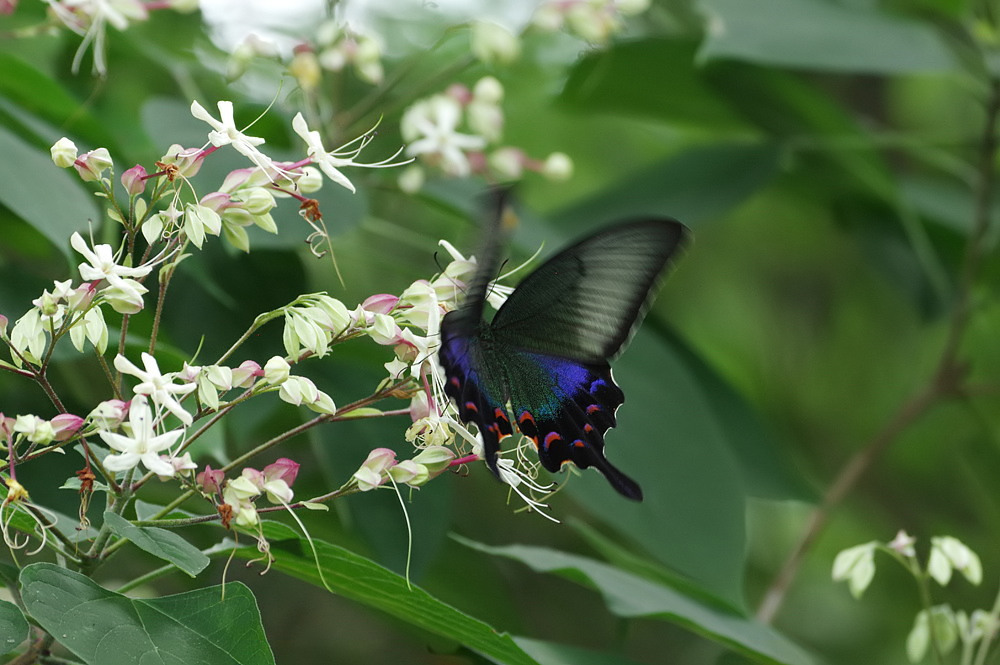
(161, 543)
(669, 439)
(631, 596)
(363, 580)
(45, 98)
(766, 470)
(697, 184)
(821, 34)
(551, 653)
(652, 78)
(209, 625)
(31, 178)
(13, 626)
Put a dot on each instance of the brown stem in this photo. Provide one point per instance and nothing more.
(946, 381)
(38, 648)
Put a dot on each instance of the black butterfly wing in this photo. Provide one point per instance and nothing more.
(584, 302)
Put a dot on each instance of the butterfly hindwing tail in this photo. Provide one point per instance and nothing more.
(574, 431)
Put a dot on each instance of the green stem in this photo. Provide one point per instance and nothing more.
(987, 641)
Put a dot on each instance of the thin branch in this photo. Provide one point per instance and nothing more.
(945, 383)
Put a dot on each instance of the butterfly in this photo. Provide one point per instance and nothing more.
(546, 352)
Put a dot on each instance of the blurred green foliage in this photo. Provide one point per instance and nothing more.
(827, 157)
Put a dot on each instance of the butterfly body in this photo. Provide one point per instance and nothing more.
(546, 353)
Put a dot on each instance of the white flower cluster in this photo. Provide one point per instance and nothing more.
(432, 127)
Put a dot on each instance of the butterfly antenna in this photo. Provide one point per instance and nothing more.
(493, 283)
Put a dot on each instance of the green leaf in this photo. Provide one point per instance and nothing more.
(55, 217)
(147, 511)
(551, 653)
(652, 78)
(676, 186)
(209, 625)
(161, 543)
(362, 412)
(13, 626)
(823, 35)
(629, 596)
(46, 98)
(668, 439)
(767, 472)
(366, 582)
(620, 557)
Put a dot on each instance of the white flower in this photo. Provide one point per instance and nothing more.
(35, 429)
(224, 132)
(947, 553)
(89, 18)
(28, 337)
(856, 566)
(330, 162)
(199, 220)
(101, 263)
(63, 153)
(160, 387)
(91, 326)
(143, 445)
(433, 123)
(492, 43)
(123, 292)
(511, 475)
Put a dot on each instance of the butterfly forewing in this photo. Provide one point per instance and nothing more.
(584, 302)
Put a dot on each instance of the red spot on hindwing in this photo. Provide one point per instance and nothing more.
(550, 438)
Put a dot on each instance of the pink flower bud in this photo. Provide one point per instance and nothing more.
(282, 469)
(134, 180)
(66, 425)
(373, 472)
(255, 477)
(3, 324)
(406, 351)
(460, 93)
(419, 406)
(216, 201)
(81, 297)
(244, 375)
(91, 165)
(210, 479)
(380, 303)
(110, 414)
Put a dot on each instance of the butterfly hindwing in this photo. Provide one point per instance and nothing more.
(566, 414)
(478, 391)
